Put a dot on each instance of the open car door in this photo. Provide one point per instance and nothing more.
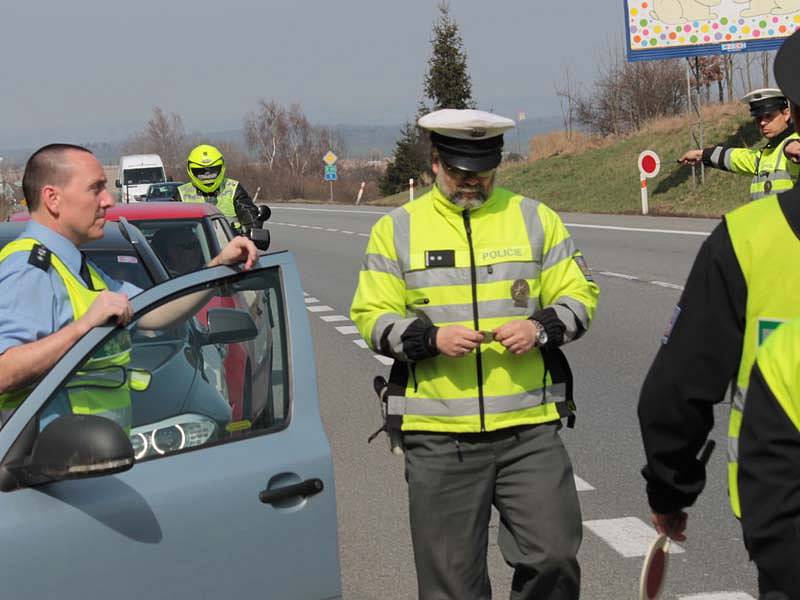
(206, 506)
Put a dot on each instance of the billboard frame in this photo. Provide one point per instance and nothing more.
(707, 49)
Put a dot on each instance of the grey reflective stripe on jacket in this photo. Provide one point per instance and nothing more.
(394, 338)
(718, 160)
(465, 407)
(739, 395)
(764, 178)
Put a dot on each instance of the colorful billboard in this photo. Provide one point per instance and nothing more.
(658, 29)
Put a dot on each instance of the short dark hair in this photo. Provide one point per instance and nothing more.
(46, 166)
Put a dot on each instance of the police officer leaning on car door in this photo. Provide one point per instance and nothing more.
(471, 289)
(59, 295)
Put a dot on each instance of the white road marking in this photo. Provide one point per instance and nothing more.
(384, 359)
(628, 535)
(317, 227)
(331, 229)
(347, 330)
(664, 284)
(619, 275)
(361, 343)
(638, 229)
(348, 232)
(718, 596)
(333, 318)
(581, 485)
(581, 225)
(310, 300)
(319, 308)
(363, 234)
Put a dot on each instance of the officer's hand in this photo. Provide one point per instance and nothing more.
(792, 151)
(239, 250)
(108, 305)
(456, 341)
(672, 525)
(692, 157)
(518, 336)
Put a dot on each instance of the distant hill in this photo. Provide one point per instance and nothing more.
(362, 141)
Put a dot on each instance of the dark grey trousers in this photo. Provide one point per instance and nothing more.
(453, 481)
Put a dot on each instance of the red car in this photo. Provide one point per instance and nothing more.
(185, 236)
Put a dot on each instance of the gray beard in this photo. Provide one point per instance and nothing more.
(468, 203)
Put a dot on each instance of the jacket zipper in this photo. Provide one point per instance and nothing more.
(474, 279)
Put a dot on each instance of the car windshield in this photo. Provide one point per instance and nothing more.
(181, 244)
(144, 175)
(161, 190)
(122, 266)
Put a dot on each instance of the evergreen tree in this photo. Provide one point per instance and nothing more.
(447, 83)
(410, 160)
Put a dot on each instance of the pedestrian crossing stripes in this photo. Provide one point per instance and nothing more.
(629, 536)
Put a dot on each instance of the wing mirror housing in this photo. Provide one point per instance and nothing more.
(264, 213)
(118, 183)
(229, 326)
(76, 447)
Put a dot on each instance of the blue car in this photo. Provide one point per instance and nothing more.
(248, 512)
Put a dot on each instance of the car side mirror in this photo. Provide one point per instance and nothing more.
(228, 326)
(260, 238)
(169, 178)
(264, 213)
(118, 183)
(76, 447)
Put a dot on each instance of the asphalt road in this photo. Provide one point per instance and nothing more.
(640, 264)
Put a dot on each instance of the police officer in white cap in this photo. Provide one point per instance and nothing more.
(772, 170)
(472, 289)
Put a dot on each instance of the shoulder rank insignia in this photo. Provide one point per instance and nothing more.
(40, 257)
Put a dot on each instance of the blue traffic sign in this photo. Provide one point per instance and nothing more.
(330, 173)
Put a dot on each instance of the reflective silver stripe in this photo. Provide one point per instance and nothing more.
(565, 249)
(533, 225)
(733, 450)
(395, 338)
(574, 316)
(504, 271)
(759, 195)
(726, 160)
(402, 238)
(489, 309)
(381, 324)
(465, 407)
(715, 155)
(437, 277)
(381, 264)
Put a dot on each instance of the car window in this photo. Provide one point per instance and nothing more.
(143, 175)
(180, 244)
(220, 376)
(223, 231)
(122, 266)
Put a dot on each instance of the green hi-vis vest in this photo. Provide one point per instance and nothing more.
(767, 250)
(778, 360)
(89, 397)
(224, 196)
(772, 172)
(422, 261)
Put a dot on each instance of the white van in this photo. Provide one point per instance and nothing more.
(136, 173)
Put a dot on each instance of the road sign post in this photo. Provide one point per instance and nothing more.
(649, 166)
(330, 168)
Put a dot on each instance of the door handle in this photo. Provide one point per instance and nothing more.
(309, 487)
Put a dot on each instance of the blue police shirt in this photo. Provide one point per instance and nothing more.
(35, 303)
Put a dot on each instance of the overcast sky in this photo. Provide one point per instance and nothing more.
(92, 70)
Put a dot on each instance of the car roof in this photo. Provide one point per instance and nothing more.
(140, 211)
(112, 239)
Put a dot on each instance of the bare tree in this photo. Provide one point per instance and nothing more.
(568, 92)
(265, 130)
(163, 134)
(626, 95)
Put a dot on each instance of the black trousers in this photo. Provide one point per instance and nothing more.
(453, 481)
